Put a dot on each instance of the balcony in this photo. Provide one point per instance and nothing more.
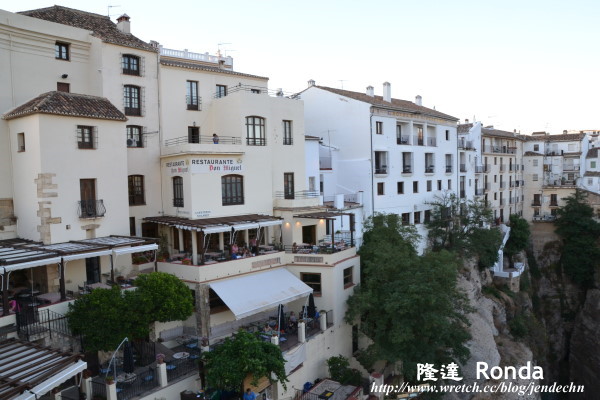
(432, 141)
(465, 145)
(553, 203)
(502, 185)
(195, 143)
(199, 139)
(417, 140)
(203, 57)
(301, 198)
(91, 209)
(430, 169)
(478, 191)
(194, 103)
(536, 203)
(479, 169)
(463, 167)
(499, 149)
(403, 139)
(407, 169)
(570, 167)
(544, 218)
(448, 168)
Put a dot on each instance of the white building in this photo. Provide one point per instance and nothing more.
(88, 156)
(399, 154)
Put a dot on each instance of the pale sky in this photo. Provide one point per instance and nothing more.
(525, 65)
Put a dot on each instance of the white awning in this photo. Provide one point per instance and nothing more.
(251, 294)
(270, 223)
(135, 249)
(87, 255)
(31, 264)
(243, 227)
(216, 229)
(52, 382)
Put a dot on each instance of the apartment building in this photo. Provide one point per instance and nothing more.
(399, 153)
(553, 170)
(496, 157)
(90, 162)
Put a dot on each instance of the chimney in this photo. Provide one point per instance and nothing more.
(311, 83)
(123, 24)
(387, 92)
(370, 91)
(419, 100)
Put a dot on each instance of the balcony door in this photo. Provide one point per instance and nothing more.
(288, 185)
(92, 270)
(87, 188)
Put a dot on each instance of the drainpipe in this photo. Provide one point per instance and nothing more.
(371, 161)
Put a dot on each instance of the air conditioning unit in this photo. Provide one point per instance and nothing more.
(131, 143)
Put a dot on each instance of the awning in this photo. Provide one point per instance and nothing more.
(53, 381)
(251, 294)
(216, 229)
(87, 255)
(135, 249)
(31, 264)
(270, 223)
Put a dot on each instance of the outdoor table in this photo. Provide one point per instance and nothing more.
(126, 377)
(50, 297)
(181, 355)
(99, 285)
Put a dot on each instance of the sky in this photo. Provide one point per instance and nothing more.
(525, 65)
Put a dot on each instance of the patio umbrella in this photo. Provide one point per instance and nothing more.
(280, 318)
(128, 358)
(311, 310)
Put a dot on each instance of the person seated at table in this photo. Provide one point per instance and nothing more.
(294, 248)
(14, 306)
(253, 247)
(234, 251)
(249, 395)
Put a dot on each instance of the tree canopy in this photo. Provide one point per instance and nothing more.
(580, 233)
(519, 235)
(407, 304)
(106, 316)
(241, 355)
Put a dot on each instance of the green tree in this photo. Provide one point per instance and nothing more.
(164, 297)
(242, 355)
(407, 304)
(340, 371)
(519, 236)
(101, 317)
(580, 233)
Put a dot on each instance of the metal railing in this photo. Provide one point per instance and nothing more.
(301, 194)
(432, 141)
(256, 141)
(478, 191)
(417, 140)
(194, 103)
(407, 169)
(499, 149)
(256, 90)
(98, 390)
(448, 168)
(91, 208)
(430, 169)
(465, 144)
(33, 322)
(199, 139)
(480, 169)
(288, 141)
(567, 167)
(536, 204)
(403, 139)
(381, 170)
(182, 367)
(145, 381)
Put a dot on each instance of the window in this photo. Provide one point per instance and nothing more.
(419, 136)
(415, 186)
(221, 91)
(86, 138)
(312, 280)
(288, 185)
(193, 134)
(590, 181)
(429, 166)
(429, 186)
(287, 132)
(439, 186)
(136, 190)
(417, 217)
(534, 177)
(447, 134)
(255, 91)
(495, 160)
(592, 164)
(537, 200)
(89, 206)
(536, 147)
(191, 95)
(255, 131)
(427, 216)
(61, 51)
(348, 280)
(406, 163)
(130, 64)
(399, 138)
(449, 184)
(535, 163)
(380, 188)
(134, 136)
(177, 191)
(554, 200)
(400, 187)
(232, 190)
(495, 178)
(571, 147)
(132, 231)
(63, 87)
(132, 100)
(405, 218)
(381, 162)
(379, 127)
(21, 142)
(449, 163)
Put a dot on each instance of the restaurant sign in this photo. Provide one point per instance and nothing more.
(216, 165)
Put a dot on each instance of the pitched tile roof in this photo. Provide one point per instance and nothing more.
(101, 26)
(191, 65)
(498, 132)
(464, 128)
(564, 137)
(592, 153)
(397, 104)
(69, 104)
(533, 153)
(592, 173)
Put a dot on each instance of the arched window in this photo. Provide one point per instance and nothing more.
(136, 190)
(177, 191)
(232, 189)
(255, 131)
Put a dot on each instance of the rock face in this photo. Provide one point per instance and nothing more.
(584, 357)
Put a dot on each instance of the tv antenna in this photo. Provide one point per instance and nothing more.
(219, 46)
(342, 82)
(108, 10)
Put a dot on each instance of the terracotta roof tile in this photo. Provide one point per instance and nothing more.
(564, 137)
(592, 153)
(498, 132)
(191, 65)
(592, 173)
(397, 104)
(101, 26)
(69, 104)
(464, 128)
(533, 153)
